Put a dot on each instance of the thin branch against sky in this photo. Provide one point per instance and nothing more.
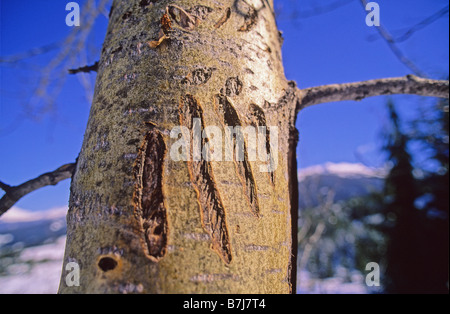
(33, 52)
(386, 35)
(410, 31)
(72, 51)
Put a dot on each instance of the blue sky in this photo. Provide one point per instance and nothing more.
(329, 48)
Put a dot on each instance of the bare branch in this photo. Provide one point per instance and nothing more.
(15, 193)
(54, 74)
(5, 187)
(31, 53)
(409, 84)
(85, 69)
(422, 24)
(384, 33)
(410, 31)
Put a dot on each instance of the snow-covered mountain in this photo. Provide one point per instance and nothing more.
(343, 170)
(25, 228)
(341, 181)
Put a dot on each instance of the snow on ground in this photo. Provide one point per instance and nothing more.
(39, 268)
(37, 271)
(31, 250)
(335, 285)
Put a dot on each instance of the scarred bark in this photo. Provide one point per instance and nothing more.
(168, 226)
(140, 221)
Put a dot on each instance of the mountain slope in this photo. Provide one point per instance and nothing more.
(341, 181)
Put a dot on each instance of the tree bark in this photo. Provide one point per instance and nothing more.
(141, 222)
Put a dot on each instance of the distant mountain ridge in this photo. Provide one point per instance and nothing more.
(30, 228)
(342, 181)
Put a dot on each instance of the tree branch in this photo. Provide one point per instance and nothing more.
(409, 84)
(5, 187)
(422, 24)
(31, 53)
(15, 193)
(384, 33)
(85, 69)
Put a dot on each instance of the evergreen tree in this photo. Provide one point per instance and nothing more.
(434, 205)
(400, 195)
(417, 208)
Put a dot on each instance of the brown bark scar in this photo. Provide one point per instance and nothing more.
(166, 26)
(212, 210)
(258, 119)
(230, 117)
(155, 43)
(182, 18)
(225, 17)
(233, 87)
(250, 20)
(198, 76)
(150, 208)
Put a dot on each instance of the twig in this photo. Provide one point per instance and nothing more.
(85, 69)
(421, 25)
(384, 33)
(5, 187)
(31, 53)
(429, 20)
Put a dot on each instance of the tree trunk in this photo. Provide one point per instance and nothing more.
(141, 221)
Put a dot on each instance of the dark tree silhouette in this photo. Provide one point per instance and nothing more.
(417, 260)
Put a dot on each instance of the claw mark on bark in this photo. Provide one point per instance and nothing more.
(225, 17)
(149, 199)
(250, 20)
(258, 119)
(233, 87)
(198, 76)
(182, 18)
(212, 210)
(230, 117)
